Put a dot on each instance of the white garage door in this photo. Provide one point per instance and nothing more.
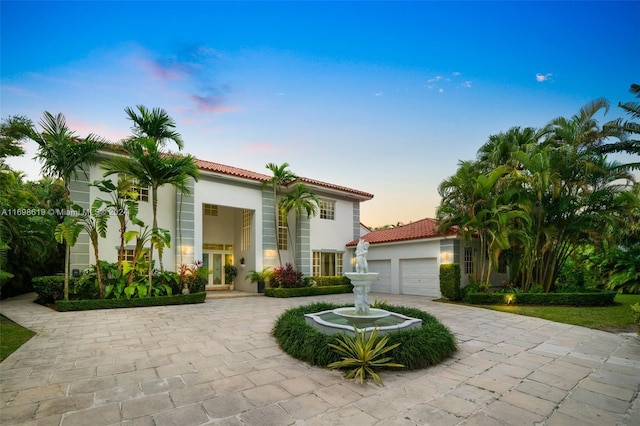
(382, 284)
(419, 277)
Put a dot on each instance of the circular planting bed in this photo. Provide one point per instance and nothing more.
(419, 348)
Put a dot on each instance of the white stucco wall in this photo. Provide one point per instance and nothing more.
(227, 193)
(166, 216)
(395, 253)
(333, 234)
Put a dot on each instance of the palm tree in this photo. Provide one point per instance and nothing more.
(300, 200)
(281, 176)
(155, 124)
(626, 129)
(122, 202)
(150, 166)
(95, 225)
(62, 154)
(67, 232)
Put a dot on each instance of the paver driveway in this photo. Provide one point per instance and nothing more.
(216, 363)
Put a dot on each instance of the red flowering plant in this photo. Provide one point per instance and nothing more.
(286, 277)
(193, 277)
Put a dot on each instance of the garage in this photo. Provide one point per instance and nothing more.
(419, 277)
(382, 284)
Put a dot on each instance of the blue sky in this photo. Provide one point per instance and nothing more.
(383, 97)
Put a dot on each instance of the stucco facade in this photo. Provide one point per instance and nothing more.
(228, 217)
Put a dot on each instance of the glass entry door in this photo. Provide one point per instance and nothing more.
(213, 262)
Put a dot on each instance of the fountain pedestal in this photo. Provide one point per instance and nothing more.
(361, 316)
(361, 282)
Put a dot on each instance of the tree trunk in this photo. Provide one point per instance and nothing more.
(94, 241)
(67, 255)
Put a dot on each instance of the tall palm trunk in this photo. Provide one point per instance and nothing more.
(94, 241)
(276, 212)
(67, 247)
(154, 206)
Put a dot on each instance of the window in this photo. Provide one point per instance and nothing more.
(142, 190)
(282, 231)
(327, 210)
(209, 210)
(128, 255)
(502, 264)
(327, 263)
(468, 260)
(245, 243)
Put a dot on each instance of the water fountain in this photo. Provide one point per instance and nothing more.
(361, 315)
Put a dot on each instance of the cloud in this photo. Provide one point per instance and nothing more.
(164, 70)
(378, 94)
(543, 77)
(192, 73)
(214, 104)
(259, 148)
(440, 83)
(83, 128)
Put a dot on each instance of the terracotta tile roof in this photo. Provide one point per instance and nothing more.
(314, 182)
(424, 228)
(260, 177)
(231, 171)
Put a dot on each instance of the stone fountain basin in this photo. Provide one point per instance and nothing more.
(350, 312)
(330, 322)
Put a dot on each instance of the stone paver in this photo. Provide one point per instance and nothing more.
(216, 363)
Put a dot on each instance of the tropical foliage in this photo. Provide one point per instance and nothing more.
(150, 165)
(363, 355)
(281, 176)
(63, 154)
(533, 197)
(286, 277)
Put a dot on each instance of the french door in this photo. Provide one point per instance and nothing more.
(214, 261)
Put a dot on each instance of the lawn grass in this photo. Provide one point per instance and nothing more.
(616, 318)
(12, 336)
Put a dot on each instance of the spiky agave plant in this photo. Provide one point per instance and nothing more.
(362, 355)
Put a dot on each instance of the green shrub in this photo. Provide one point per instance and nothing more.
(84, 305)
(50, 288)
(591, 298)
(635, 309)
(419, 348)
(326, 281)
(307, 291)
(450, 281)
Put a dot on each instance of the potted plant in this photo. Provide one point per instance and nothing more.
(260, 277)
(230, 274)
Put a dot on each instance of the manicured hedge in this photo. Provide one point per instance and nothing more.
(84, 305)
(600, 298)
(326, 281)
(307, 291)
(450, 281)
(419, 348)
(50, 288)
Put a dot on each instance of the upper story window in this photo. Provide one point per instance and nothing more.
(327, 209)
(210, 210)
(142, 190)
(283, 243)
(245, 241)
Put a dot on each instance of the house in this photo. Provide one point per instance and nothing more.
(228, 218)
(408, 257)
